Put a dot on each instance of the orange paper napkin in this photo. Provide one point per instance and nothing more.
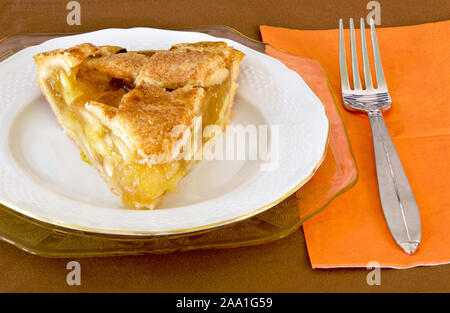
(351, 231)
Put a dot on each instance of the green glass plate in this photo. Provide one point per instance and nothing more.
(337, 174)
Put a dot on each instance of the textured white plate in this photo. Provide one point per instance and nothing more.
(42, 175)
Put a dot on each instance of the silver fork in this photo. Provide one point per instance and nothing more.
(397, 199)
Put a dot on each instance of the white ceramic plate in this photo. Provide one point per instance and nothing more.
(42, 175)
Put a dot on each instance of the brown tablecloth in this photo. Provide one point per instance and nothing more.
(282, 266)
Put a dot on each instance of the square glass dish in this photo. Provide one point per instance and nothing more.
(337, 174)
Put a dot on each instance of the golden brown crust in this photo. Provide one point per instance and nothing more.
(215, 46)
(102, 111)
(67, 59)
(107, 50)
(123, 65)
(218, 47)
(171, 69)
(75, 53)
(149, 113)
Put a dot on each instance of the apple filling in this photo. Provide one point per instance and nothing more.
(137, 183)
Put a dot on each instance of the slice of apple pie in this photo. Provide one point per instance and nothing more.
(121, 108)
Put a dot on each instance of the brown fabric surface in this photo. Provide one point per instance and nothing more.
(245, 15)
(282, 266)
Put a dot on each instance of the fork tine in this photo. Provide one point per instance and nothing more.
(381, 82)
(355, 68)
(342, 60)
(366, 64)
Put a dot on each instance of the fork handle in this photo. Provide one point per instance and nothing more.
(397, 199)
